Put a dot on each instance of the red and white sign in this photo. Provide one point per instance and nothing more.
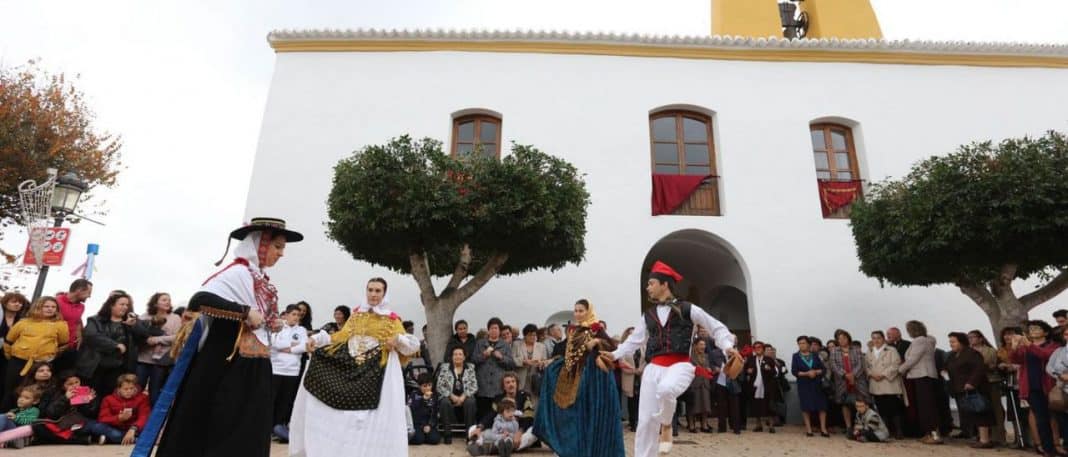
(56, 240)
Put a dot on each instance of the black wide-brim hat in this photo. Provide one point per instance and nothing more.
(272, 224)
(278, 226)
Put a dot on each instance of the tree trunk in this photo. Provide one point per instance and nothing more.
(439, 318)
(440, 309)
(1001, 305)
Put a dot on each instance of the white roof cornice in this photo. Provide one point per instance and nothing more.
(670, 41)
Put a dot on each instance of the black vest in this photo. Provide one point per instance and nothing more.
(673, 337)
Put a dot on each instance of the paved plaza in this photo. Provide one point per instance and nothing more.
(789, 441)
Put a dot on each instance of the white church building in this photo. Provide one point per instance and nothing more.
(781, 133)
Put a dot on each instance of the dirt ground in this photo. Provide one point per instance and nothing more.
(789, 441)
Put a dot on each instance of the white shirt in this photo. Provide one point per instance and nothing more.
(294, 338)
(720, 333)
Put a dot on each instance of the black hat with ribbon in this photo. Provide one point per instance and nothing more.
(272, 224)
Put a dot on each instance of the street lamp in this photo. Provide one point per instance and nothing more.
(65, 196)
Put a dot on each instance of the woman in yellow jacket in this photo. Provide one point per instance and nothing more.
(38, 337)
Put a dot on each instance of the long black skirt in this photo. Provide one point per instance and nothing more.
(222, 409)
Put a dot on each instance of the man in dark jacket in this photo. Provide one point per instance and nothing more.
(461, 339)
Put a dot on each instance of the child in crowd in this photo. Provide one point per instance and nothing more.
(24, 414)
(41, 376)
(125, 411)
(424, 408)
(68, 418)
(502, 437)
(868, 426)
(287, 347)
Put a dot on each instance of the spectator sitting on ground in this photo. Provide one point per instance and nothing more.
(868, 426)
(125, 411)
(501, 438)
(72, 416)
(25, 412)
(424, 408)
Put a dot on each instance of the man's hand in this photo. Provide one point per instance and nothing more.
(128, 438)
(277, 325)
(10, 415)
(1064, 376)
(311, 346)
(125, 415)
(391, 344)
(498, 355)
(121, 347)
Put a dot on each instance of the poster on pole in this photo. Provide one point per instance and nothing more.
(56, 240)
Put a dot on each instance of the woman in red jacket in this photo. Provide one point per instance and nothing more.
(125, 411)
(1032, 354)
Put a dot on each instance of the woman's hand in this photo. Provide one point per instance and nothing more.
(254, 319)
(969, 387)
(311, 345)
(1064, 376)
(592, 343)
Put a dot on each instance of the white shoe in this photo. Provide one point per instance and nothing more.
(471, 431)
(527, 440)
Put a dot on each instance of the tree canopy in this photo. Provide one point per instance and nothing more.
(408, 206)
(45, 123)
(406, 196)
(977, 218)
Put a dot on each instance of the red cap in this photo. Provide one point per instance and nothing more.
(662, 268)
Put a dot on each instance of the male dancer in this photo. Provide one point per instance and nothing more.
(666, 331)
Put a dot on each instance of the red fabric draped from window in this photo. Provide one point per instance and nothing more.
(671, 191)
(835, 195)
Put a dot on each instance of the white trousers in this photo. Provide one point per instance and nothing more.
(661, 387)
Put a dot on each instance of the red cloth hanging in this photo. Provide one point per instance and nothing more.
(671, 191)
(835, 195)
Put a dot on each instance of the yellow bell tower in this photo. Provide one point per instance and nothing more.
(748, 18)
(841, 19)
(827, 18)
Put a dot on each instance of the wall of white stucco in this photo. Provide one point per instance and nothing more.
(593, 110)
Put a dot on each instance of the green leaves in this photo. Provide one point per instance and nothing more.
(963, 215)
(409, 196)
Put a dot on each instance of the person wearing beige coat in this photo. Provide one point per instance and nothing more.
(531, 356)
(919, 369)
(884, 382)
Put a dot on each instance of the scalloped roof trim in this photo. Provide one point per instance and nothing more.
(714, 41)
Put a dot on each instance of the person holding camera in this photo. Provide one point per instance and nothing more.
(109, 346)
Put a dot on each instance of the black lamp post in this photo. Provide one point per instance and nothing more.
(65, 196)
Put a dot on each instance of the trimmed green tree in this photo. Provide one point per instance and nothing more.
(978, 218)
(410, 207)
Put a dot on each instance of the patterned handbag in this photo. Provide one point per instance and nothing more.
(345, 382)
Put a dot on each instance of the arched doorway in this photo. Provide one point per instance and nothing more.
(714, 277)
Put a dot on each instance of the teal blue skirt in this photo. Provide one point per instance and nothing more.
(593, 426)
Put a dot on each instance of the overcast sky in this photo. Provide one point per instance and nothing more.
(185, 82)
